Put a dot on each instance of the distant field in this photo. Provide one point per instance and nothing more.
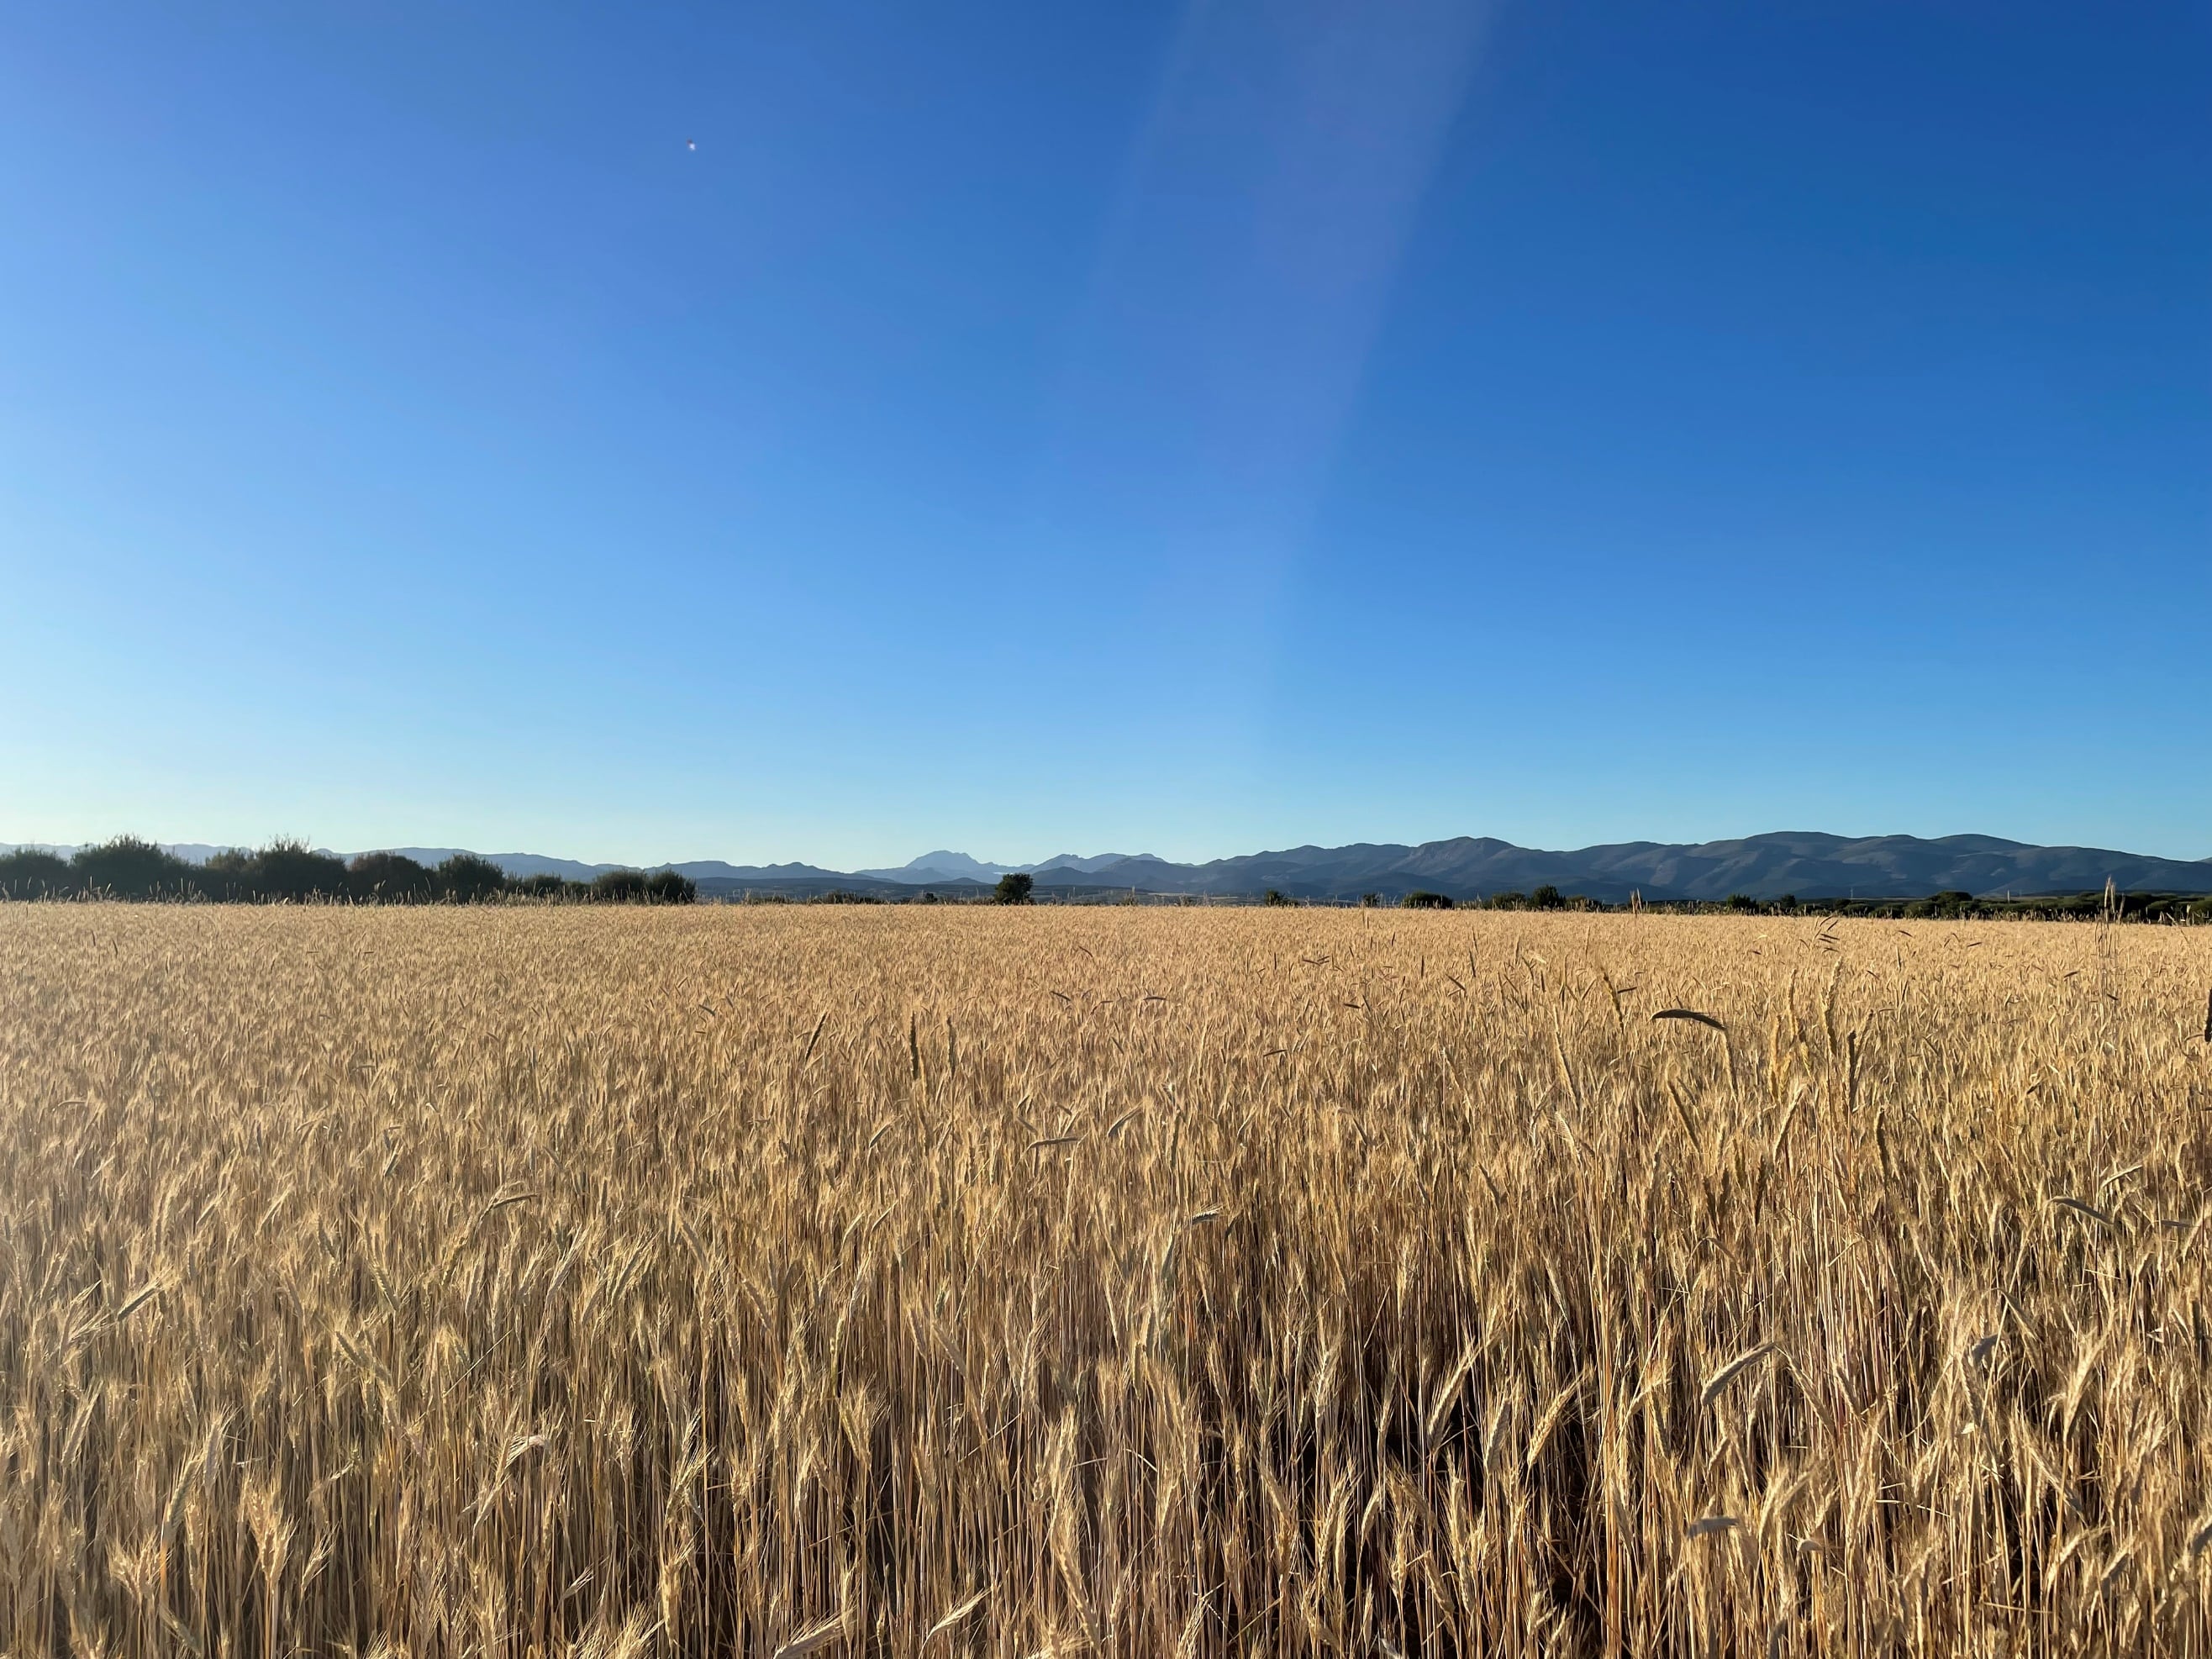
(527, 1281)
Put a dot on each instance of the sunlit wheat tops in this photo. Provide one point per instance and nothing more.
(962, 1281)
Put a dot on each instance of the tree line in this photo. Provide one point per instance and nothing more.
(291, 871)
(1950, 905)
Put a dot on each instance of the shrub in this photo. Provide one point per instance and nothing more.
(225, 868)
(1272, 897)
(465, 879)
(668, 887)
(130, 868)
(1421, 899)
(293, 869)
(2202, 909)
(28, 873)
(619, 887)
(388, 878)
(1013, 888)
(1546, 897)
(1741, 901)
(547, 885)
(1370, 900)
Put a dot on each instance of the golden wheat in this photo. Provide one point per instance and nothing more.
(952, 1281)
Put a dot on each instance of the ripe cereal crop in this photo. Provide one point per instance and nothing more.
(551, 1280)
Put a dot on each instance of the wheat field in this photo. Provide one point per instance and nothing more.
(902, 1281)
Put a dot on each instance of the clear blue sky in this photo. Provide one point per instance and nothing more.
(1034, 427)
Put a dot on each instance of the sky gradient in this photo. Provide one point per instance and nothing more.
(1176, 429)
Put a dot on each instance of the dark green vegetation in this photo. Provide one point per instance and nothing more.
(2183, 908)
(287, 870)
(291, 871)
(1936, 906)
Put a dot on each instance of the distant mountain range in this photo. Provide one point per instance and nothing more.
(537, 863)
(1807, 863)
(1804, 863)
(942, 866)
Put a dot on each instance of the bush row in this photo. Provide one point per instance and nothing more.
(128, 868)
(1956, 905)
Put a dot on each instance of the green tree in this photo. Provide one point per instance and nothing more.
(29, 873)
(1014, 888)
(1547, 898)
(130, 868)
(669, 887)
(1272, 897)
(620, 887)
(388, 878)
(1421, 899)
(225, 874)
(293, 869)
(465, 879)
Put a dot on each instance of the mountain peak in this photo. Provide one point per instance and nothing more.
(943, 864)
